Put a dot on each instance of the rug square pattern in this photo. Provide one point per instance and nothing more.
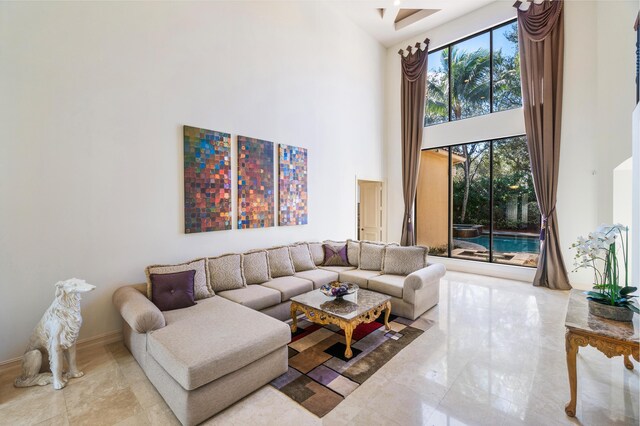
(314, 356)
(393, 335)
(363, 329)
(396, 326)
(337, 351)
(365, 346)
(323, 375)
(310, 339)
(319, 375)
(343, 386)
(288, 377)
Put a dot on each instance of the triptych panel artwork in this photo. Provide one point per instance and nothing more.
(293, 185)
(255, 183)
(207, 182)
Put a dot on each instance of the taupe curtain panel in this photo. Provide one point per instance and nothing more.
(414, 81)
(541, 38)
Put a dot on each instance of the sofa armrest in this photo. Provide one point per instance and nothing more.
(421, 278)
(137, 310)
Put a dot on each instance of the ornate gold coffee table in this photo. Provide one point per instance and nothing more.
(361, 307)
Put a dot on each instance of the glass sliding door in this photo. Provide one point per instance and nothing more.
(476, 201)
(471, 208)
(516, 217)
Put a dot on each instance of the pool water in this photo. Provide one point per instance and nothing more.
(507, 243)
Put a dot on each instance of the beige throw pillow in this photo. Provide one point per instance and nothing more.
(317, 253)
(301, 257)
(256, 267)
(353, 252)
(371, 255)
(201, 287)
(225, 272)
(404, 260)
(280, 264)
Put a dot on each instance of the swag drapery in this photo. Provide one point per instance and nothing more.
(414, 81)
(541, 40)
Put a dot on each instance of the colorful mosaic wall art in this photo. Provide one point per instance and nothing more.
(207, 180)
(255, 183)
(292, 185)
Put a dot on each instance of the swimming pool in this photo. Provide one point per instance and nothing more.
(507, 243)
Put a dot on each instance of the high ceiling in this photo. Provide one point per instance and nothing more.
(392, 21)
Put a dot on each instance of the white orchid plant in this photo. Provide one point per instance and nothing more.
(599, 252)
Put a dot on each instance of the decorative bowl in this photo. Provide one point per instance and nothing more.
(337, 289)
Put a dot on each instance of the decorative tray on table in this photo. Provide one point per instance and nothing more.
(338, 290)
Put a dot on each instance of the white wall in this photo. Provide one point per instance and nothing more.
(623, 209)
(635, 208)
(93, 97)
(596, 129)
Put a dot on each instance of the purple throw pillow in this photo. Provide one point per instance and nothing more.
(335, 255)
(173, 291)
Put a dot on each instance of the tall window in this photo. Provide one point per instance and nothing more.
(476, 201)
(474, 76)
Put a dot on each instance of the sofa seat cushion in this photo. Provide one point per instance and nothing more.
(319, 277)
(358, 276)
(338, 269)
(253, 296)
(289, 286)
(216, 337)
(388, 284)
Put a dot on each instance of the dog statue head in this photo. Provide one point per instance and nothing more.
(73, 285)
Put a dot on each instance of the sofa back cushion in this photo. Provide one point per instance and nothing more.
(371, 256)
(201, 287)
(173, 290)
(301, 257)
(317, 253)
(404, 260)
(335, 255)
(255, 266)
(280, 264)
(353, 252)
(225, 272)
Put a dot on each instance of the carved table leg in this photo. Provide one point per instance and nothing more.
(628, 363)
(386, 316)
(294, 317)
(572, 352)
(348, 332)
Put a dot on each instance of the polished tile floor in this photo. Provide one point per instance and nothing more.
(495, 356)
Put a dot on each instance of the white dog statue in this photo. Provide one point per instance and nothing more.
(55, 334)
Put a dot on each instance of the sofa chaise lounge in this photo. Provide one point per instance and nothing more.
(233, 341)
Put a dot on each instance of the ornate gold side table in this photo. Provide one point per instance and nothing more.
(361, 307)
(612, 338)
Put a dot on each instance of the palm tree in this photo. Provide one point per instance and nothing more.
(469, 97)
(469, 83)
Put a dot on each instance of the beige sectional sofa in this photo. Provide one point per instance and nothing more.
(205, 357)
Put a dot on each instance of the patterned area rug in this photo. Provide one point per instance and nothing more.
(320, 377)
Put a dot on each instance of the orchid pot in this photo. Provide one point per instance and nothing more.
(610, 297)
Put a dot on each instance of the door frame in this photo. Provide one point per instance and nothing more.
(383, 200)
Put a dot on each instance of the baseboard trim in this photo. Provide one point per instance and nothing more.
(99, 340)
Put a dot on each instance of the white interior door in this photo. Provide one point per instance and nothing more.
(370, 211)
